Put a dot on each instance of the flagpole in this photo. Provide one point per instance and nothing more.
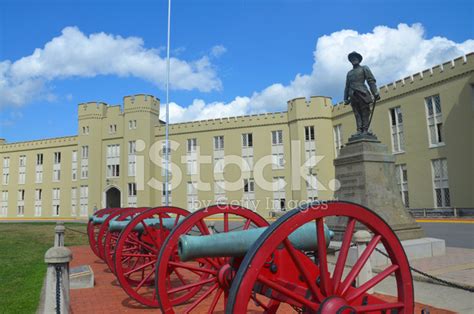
(167, 150)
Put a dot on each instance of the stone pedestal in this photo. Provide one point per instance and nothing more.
(366, 172)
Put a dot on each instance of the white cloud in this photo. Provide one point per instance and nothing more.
(74, 54)
(218, 51)
(392, 53)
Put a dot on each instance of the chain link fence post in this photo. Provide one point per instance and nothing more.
(59, 234)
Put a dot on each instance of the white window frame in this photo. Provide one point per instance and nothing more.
(113, 161)
(56, 201)
(132, 158)
(4, 207)
(6, 170)
(84, 162)
(84, 200)
(132, 194)
(192, 195)
(402, 181)
(74, 201)
(247, 152)
(434, 121)
(397, 136)
(338, 143)
(74, 165)
(441, 182)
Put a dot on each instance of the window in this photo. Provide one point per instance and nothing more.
(396, 124)
(164, 157)
(434, 119)
(39, 159)
(22, 170)
(4, 208)
(6, 170)
(85, 130)
(132, 161)
(247, 140)
(21, 203)
(277, 137)
(191, 156)
(57, 158)
(249, 185)
(84, 162)
(132, 194)
(219, 142)
(192, 196)
(440, 182)
(278, 161)
(312, 187)
(56, 200)
(219, 191)
(74, 201)
(132, 124)
(113, 161)
(74, 165)
(279, 198)
(38, 202)
(112, 129)
(57, 167)
(337, 132)
(84, 200)
(402, 180)
(247, 152)
(249, 194)
(309, 133)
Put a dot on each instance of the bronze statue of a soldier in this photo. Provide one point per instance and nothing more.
(357, 94)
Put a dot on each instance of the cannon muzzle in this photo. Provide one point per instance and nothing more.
(99, 220)
(237, 243)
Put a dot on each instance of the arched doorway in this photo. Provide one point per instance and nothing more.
(112, 198)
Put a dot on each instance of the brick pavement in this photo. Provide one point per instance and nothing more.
(107, 297)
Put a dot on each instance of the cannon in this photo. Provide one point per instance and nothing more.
(281, 268)
(93, 227)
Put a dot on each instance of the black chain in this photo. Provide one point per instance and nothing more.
(74, 230)
(58, 289)
(445, 282)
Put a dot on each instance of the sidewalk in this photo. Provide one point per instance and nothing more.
(108, 297)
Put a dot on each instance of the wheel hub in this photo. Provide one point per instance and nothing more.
(335, 305)
(225, 276)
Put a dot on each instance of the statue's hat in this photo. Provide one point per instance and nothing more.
(355, 54)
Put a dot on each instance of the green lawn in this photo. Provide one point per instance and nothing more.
(22, 267)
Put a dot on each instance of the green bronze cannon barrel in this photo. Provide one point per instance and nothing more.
(237, 243)
(168, 223)
(99, 220)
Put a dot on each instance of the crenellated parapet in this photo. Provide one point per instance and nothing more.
(235, 122)
(141, 103)
(39, 144)
(92, 110)
(316, 107)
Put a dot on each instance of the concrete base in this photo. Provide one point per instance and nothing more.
(414, 249)
(81, 277)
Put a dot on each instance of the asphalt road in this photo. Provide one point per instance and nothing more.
(455, 234)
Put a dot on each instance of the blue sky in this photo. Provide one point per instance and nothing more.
(230, 57)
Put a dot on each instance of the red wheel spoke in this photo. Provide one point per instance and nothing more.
(226, 222)
(201, 298)
(146, 246)
(247, 224)
(195, 268)
(204, 229)
(145, 279)
(354, 294)
(180, 277)
(139, 255)
(378, 307)
(192, 285)
(258, 302)
(312, 285)
(322, 256)
(359, 264)
(287, 292)
(341, 260)
(214, 301)
(140, 267)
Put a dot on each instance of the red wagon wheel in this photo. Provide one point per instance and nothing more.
(104, 230)
(93, 229)
(137, 249)
(317, 289)
(111, 237)
(182, 286)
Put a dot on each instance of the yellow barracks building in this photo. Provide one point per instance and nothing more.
(267, 162)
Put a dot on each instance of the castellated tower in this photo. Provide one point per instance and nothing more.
(111, 146)
(303, 117)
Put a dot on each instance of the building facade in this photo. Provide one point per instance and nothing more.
(267, 162)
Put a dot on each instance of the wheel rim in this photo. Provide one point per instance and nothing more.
(111, 238)
(93, 230)
(104, 230)
(136, 254)
(199, 280)
(334, 286)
